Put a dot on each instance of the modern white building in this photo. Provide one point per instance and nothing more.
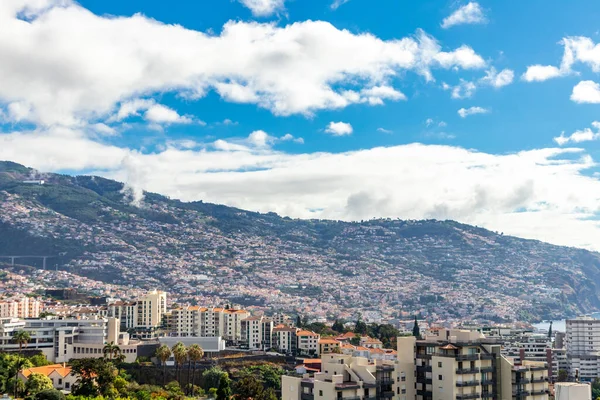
(257, 333)
(145, 315)
(198, 321)
(583, 336)
(61, 340)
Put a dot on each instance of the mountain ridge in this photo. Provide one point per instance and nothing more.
(92, 220)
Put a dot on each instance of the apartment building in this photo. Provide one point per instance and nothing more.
(25, 307)
(285, 339)
(308, 342)
(197, 321)
(61, 340)
(328, 345)
(257, 333)
(528, 381)
(583, 336)
(145, 315)
(342, 377)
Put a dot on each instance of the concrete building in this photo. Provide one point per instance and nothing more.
(530, 381)
(61, 340)
(206, 322)
(308, 342)
(583, 336)
(572, 391)
(257, 333)
(145, 315)
(285, 339)
(342, 377)
(328, 345)
(25, 307)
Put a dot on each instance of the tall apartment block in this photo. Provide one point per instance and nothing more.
(207, 322)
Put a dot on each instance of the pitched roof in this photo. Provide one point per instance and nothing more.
(328, 341)
(306, 333)
(47, 370)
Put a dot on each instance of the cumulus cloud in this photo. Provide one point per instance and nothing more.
(585, 135)
(543, 194)
(263, 8)
(471, 13)
(498, 79)
(586, 92)
(464, 90)
(465, 112)
(577, 49)
(339, 128)
(299, 68)
(163, 114)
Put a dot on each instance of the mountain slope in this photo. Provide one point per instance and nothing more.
(214, 254)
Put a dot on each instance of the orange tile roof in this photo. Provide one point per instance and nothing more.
(328, 341)
(47, 370)
(306, 333)
(312, 361)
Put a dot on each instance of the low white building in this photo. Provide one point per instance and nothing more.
(572, 391)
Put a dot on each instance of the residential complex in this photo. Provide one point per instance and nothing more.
(24, 307)
(206, 322)
(450, 365)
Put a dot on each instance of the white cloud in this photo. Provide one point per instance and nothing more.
(465, 112)
(586, 92)
(383, 130)
(464, 90)
(540, 73)
(376, 94)
(339, 128)
(299, 68)
(288, 137)
(259, 139)
(429, 121)
(337, 3)
(471, 13)
(577, 49)
(542, 194)
(263, 8)
(498, 79)
(164, 115)
(585, 135)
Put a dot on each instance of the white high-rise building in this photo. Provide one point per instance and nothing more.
(25, 307)
(583, 336)
(150, 309)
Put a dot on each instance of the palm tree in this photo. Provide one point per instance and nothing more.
(164, 353)
(21, 338)
(195, 354)
(111, 350)
(180, 354)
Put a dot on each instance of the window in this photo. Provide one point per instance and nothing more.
(440, 378)
(60, 381)
(320, 393)
(439, 364)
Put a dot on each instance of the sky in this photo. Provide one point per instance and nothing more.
(482, 112)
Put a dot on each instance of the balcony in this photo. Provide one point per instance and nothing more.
(350, 398)
(521, 381)
(467, 357)
(467, 383)
(388, 394)
(487, 382)
(538, 392)
(466, 396)
(424, 368)
(307, 396)
(487, 395)
(463, 371)
(385, 381)
(487, 369)
(485, 356)
(423, 356)
(521, 394)
(539, 380)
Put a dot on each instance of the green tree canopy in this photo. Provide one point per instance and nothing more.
(37, 383)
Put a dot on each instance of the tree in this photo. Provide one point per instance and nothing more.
(355, 341)
(21, 338)
(195, 354)
(37, 383)
(180, 355)
(298, 321)
(212, 377)
(338, 326)
(51, 394)
(563, 376)
(550, 331)
(111, 350)
(416, 331)
(360, 327)
(224, 391)
(337, 350)
(163, 353)
(39, 360)
(95, 376)
(248, 388)
(305, 321)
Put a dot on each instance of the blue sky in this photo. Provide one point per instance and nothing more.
(483, 112)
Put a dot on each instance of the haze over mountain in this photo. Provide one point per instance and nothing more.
(205, 252)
